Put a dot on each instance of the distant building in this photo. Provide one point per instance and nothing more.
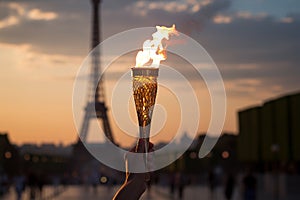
(222, 155)
(270, 132)
(9, 156)
(47, 158)
(46, 149)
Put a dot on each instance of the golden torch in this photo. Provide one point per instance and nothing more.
(145, 80)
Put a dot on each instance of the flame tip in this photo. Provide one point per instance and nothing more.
(153, 49)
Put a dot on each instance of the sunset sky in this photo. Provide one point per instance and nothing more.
(254, 43)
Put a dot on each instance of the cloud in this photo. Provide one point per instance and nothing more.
(142, 8)
(188, 15)
(70, 34)
(10, 15)
(23, 11)
(50, 27)
(16, 7)
(32, 26)
(249, 15)
(287, 20)
(16, 13)
(37, 14)
(252, 41)
(9, 21)
(222, 19)
(243, 86)
(260, 48)
(244, 15)
(29, 58)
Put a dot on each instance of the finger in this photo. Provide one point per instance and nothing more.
(140, 147)
(151, 147)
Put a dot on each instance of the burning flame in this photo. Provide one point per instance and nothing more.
(154, 49)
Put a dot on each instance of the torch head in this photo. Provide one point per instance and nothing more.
(144, 92)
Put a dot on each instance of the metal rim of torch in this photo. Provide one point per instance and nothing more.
(144, 71)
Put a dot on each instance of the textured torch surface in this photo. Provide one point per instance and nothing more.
(144, 91)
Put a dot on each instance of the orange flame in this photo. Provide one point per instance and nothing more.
(154, 49)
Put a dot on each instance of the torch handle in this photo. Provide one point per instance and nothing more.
(146, 142)
(144, 133)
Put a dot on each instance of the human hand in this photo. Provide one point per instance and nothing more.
(135, 183)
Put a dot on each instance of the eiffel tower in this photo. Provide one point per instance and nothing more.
(96, 96)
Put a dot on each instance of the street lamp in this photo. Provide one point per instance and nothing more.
(8, 155)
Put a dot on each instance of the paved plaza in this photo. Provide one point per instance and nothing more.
(191, 192)
(103, 193)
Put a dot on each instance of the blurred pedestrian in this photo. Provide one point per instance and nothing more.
(19, 182)
(40, 184)
(94, 180)
(212, 182)
(229, 186)
(282, 184)
(56, 183)
(32, 183)
(172, 184)
(249, 182)
(180, 184)
(3, 182)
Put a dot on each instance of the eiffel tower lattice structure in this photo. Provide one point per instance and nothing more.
(96, 96)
